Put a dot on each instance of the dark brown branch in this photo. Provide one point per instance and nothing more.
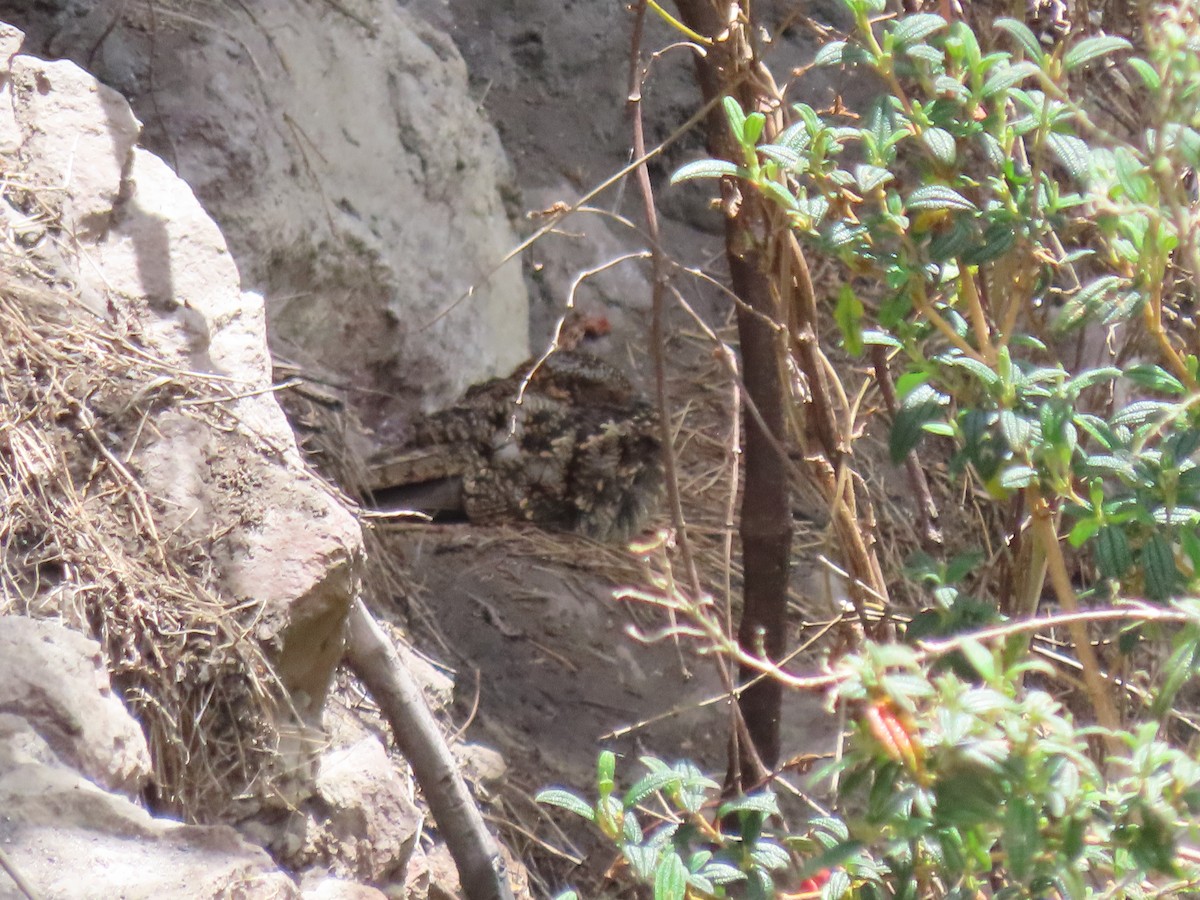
(766, 523)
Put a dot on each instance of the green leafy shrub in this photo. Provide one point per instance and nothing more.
(992, 220)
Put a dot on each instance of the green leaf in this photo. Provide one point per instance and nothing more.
(917, 27)
(997, 239)
(670, 878)
(708, 168)
(642, 859)
(787, 157)
(722, 873)
(1155, 378)
(837, 886)
(937, 196)
(647, 785)
(770, 856)
(1082, 532)
(1016, 477)
(1005, 77)
(941, 144)
(795, 138)
(1093, 48)
(1086, 302)
(831, 54)
(1141, 412)
(848, 314)
(1022, 839)
(985, 373)
(764, 803)
(1023, 36)
(1072, 152)
(869, 178)
(1158, 562)
(737, 118)
(880, 339)
(606, 772)
(923, 405)
(1148, 74)
(1132, 175)
(955, 241)
(778, 193)
(567, 895)
(753, 129)
(980, 658)
(931, 55)
(1088, 379)
(568, 801)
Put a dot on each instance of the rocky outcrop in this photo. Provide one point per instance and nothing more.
(353, 174)
(71, 758)
(143, 256)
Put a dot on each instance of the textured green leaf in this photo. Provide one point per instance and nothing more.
(923, 405)
(737, 118)
(837, 887)
(1015, 477)
(937, 196)
(1141, 412)
(1005, 77)
(1148, 74)
(848, 314)
(1090, 378)
(1093, 48)
(568, 801)
(708, 168)
(831, 54)
(1022, 839)
(868, 178)
(982, 371)
(941, 144)
(917, 27)
(955, 241)
(670, 878)
(1072, 152)
(931, 55)
(1023, 36)
(647, 785)
(764, 803)
(786, 157)
(722, 873)
(1086, 301)
(770, 856)
(1158, 564)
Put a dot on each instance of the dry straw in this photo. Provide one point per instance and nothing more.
(80, 544)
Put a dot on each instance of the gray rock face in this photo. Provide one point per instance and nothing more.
(355, 178)
(63, 833)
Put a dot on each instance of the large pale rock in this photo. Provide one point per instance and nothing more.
(145, 255)
(351, 169)
(371, 824)
(66, 835)
(55, 680)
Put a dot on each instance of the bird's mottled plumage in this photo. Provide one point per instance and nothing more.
(568, 445)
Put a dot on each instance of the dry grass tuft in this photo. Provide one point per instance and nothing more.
(81, 545)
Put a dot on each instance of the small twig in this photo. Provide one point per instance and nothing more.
(927, 512)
